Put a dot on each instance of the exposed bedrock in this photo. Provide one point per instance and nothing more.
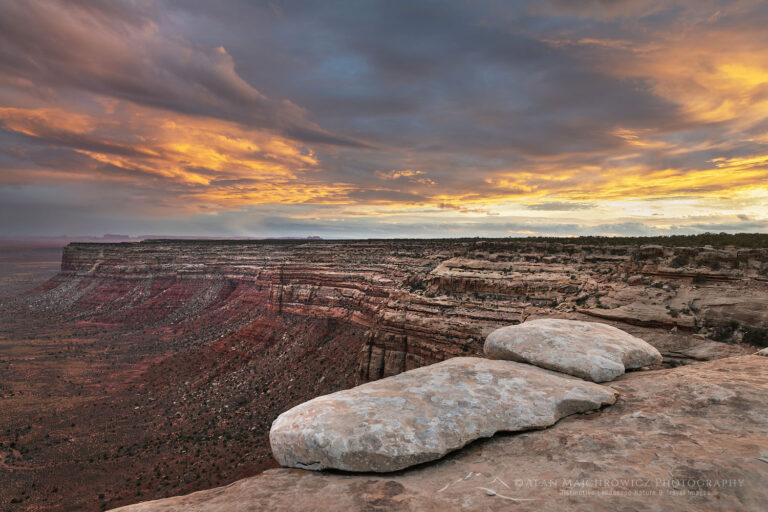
(421, 415)
(689, 439)
(589, 350)
(367, 285)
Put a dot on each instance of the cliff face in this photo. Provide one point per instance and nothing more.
(168, 360)
(421, 301)
(388, 289)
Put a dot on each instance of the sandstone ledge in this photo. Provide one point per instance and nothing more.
(692, 438)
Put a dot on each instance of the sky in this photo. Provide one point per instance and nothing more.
(358, 119)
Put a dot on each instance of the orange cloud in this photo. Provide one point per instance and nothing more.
(714, 74)
(214, 165)
(204, 162)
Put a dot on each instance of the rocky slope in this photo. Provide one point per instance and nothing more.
(692, 438)
(168, 360)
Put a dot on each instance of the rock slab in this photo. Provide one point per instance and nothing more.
(423, 414)
(694, 437)
(589, 350)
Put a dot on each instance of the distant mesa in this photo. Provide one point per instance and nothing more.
(111, 238)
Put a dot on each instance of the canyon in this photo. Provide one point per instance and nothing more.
(151, 369)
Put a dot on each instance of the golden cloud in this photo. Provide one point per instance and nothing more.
(200, 160)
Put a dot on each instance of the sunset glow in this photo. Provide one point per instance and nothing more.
(384, 118)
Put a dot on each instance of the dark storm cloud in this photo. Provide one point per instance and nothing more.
(431, 76)
(463, 76)
(128, 50)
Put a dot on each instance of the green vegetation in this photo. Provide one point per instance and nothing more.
(680, 260)
(699, 278)
(748, 240)
(756, 337)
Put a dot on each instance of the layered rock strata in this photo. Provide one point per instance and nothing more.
(422, 301)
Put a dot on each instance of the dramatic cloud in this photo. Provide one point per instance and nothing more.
(119, 51)
(383, 118)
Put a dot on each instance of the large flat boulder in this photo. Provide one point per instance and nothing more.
(423, 414)
(589, 350)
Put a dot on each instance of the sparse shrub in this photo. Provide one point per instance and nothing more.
(724, 332)
(680, 260)
(757, 337)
